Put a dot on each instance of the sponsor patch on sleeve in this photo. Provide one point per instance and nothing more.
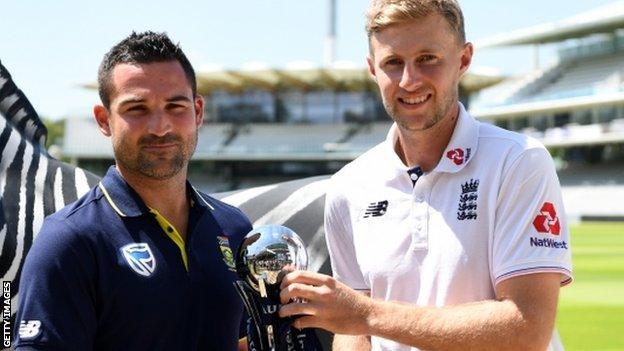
(226, 251)
(547, 224)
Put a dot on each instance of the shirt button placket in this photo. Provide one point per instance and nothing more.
(419, 215)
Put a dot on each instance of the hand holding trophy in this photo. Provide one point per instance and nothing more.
(264, 257)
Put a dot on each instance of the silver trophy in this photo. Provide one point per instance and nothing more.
(265, 256)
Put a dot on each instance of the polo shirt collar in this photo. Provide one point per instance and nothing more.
(127, 203)
(463, 144)
(459, 151)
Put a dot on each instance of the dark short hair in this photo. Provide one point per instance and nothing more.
(141, 48)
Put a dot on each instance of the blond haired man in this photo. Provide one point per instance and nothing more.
(449, 235)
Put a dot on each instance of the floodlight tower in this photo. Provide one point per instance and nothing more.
(330, 39)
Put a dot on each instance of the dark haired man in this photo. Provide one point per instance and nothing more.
(143, 261)
(452, 231)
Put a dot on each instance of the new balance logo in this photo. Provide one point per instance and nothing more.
(376, 209)
(29, 329)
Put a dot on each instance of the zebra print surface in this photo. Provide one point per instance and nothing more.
(33, 185)
(18, 111)
(296, 204)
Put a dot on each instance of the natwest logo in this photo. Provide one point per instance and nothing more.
(458, 156)
(550, 243)
(547, 221)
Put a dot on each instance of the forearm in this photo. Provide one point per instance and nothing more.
(487, 325)
(521, 318)
(351, 343)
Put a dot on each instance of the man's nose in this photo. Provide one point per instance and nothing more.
(159, 123)
(411, 79)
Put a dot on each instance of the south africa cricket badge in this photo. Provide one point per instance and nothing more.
(226, 251)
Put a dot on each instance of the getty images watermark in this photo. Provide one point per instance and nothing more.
(6, 314)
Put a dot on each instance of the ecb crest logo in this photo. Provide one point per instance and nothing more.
(140, 258)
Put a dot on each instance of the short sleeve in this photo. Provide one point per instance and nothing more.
(339, 237)
(56, 309)
(530, 231)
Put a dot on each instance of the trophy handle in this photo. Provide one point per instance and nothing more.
(252, 309)
(269, 328)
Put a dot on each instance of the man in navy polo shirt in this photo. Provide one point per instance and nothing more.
(143, 261)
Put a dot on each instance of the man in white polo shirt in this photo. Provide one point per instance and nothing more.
(454, 228)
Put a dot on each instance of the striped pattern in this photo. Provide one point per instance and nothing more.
(32, 184)
(296, 204)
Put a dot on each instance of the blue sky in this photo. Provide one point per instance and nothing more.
(51, 46)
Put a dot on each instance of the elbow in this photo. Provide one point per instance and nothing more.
(533, 337)
(539, 342)
(527, 332)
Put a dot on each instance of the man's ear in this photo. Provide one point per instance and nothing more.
(199, 110)
(466, 58)
(102, 117)
(371, 67)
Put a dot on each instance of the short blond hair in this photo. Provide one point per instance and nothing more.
(384, 13)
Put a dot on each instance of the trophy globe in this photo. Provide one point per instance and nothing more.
(267, 254)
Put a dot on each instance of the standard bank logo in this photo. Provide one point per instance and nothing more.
(29, 329)
(140, 258)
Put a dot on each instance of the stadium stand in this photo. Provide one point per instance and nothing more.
(323, 115)
(83, 140)
(285, 141)
(367, 136)
(575, 106)
(577, 77)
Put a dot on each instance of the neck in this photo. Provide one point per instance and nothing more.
(167, 196)
(424, 148)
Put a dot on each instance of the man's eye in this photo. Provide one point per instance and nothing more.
(136, 109)
(176, 107)
(426, 58)
(394, 62)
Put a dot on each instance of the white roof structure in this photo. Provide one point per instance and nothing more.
(299, 75)
(307, 78)
(605, 19)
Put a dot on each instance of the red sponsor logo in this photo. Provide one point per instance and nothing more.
(547, 221)
(456, 155)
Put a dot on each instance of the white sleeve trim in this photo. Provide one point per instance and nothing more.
(565, 280)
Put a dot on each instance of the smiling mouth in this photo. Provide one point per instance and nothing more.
(416, 100)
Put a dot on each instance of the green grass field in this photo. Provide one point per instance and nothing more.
(591, 310)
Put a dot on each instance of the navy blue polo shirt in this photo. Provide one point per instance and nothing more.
(104, 275)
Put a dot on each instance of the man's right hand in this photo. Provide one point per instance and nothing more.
(330, 304)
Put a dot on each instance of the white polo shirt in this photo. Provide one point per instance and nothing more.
(490, 210)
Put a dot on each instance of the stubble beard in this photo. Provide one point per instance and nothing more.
(440, 111)
(152, 166)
